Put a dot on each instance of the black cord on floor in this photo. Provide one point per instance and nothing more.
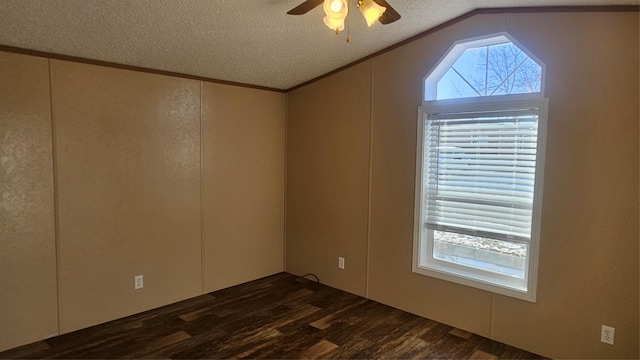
(314, 275)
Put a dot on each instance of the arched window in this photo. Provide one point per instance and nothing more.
(480, 162)
(488, 66)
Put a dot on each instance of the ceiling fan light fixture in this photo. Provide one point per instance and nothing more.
(370, 10)
(336, 11)
(336, 6)
(334, 24)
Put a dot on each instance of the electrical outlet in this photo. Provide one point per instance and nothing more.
(341, 262)
(607, 335)
(138, 282)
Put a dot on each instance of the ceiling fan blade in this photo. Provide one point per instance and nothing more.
(305, 7)
(390, 15)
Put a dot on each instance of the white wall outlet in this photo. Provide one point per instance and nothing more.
(341, 262)
(607, 334)
(138, 282)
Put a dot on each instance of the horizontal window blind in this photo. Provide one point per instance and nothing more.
(480, 172)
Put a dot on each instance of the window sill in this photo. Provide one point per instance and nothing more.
(475, 281)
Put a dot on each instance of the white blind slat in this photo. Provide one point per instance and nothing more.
(480, 173)
(497, 210)
(482, 179)
(497, 168)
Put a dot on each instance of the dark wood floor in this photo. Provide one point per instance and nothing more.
(278, 317)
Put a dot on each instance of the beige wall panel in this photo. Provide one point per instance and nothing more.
(397, 93)
(243, 189)
(328, 128)
(588, 271)
(28, 299)
(128, 172)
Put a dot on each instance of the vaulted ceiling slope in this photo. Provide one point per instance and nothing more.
(251, 42)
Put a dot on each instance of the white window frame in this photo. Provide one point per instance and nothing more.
(423, 261)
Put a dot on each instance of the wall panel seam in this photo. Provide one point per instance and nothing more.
(284, 192)
(202, 254)
(491, 330)
(370, 176)
(54, 178)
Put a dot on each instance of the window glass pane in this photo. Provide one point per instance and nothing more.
(453, 86)
(481, 253)
(499, 69)
(529, 77)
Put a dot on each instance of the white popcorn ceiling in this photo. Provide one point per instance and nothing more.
(245, 41)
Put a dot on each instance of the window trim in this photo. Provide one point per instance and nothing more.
(502, 102)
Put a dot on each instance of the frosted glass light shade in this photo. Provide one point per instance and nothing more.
(336, 11)
(371, 11)
(334, 24)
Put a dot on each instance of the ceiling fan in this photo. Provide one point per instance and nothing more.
(336, 11)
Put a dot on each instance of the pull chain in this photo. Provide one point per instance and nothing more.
(348, 29)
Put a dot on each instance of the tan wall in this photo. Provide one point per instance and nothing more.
(243, 133)
(129, 151)
(128, 180)
(589, 272)
(327, 178)
(27, 230)
(589, 240)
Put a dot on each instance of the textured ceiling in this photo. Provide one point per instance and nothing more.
(245, 41)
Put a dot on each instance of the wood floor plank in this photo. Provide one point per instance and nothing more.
(281, 316)
(351, 349)
(162, 342)
(460, 333)
(318, 350)
(479, 354)
(27, 350)
(323, 323)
